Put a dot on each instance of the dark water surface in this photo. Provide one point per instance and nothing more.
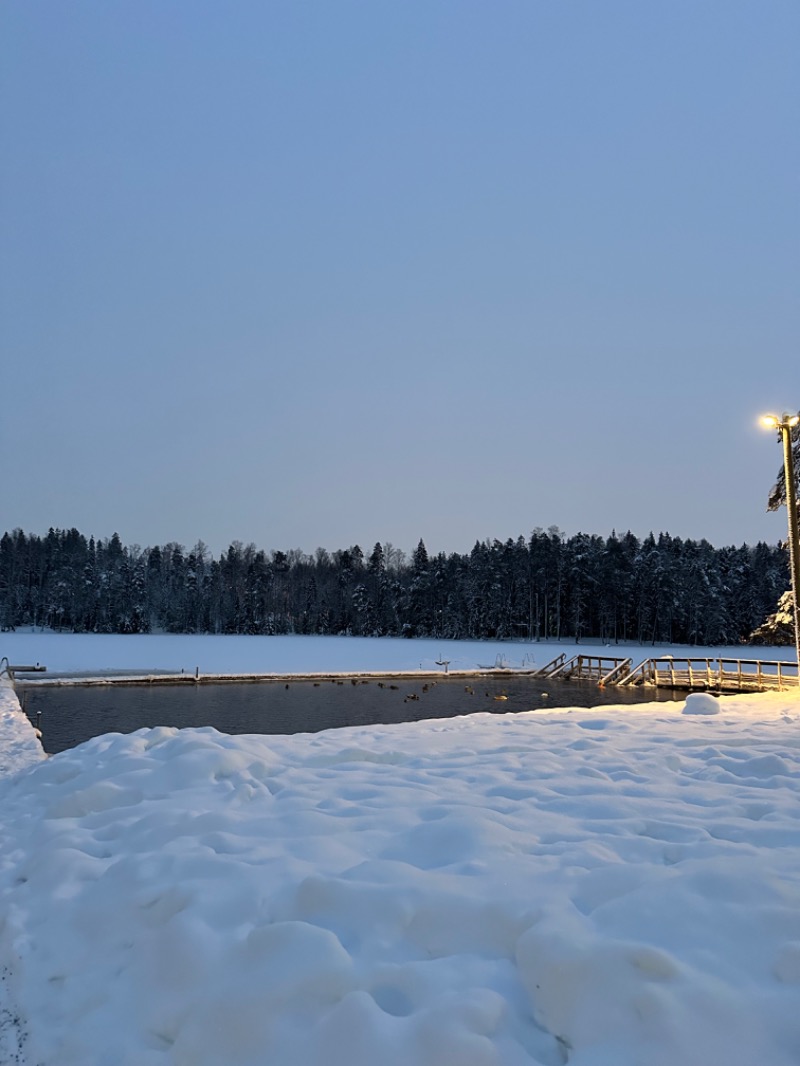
(71, 714)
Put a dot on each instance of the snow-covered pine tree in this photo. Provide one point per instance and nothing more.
(779, 627)
(776, 624)
(777, 495)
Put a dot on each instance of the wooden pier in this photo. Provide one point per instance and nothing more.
(715, 675)
(604, 669)
(667, 671)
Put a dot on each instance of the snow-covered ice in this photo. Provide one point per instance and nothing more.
(220, 654)
(64, 653)
(599, 888)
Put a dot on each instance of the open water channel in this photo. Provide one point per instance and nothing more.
(71, 714)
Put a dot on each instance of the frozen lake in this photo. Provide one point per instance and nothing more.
(98, 653)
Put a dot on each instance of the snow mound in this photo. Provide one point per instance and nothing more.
(701, 703)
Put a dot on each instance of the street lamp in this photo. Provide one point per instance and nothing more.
(785, 424)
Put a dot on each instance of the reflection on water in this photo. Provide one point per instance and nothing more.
(73, 714)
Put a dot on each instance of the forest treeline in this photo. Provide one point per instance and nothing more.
(548, 586)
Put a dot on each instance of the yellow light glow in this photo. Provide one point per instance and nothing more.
(793, 420)
(769, 421)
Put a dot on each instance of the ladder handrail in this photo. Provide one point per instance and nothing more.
(566, 668)
(7, 669)
(554, 664)
(608, 679)
(642, 669)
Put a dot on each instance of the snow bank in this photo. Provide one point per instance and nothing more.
(599, 887)
(19, 746)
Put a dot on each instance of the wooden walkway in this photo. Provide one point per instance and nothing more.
(693, 673)
(717, 675)
(604, 669)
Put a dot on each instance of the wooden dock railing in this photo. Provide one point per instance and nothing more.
(721, 675)
(551, 669)
(691, 672)
(601, 668)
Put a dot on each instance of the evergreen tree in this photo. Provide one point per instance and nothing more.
(550, 586)
(777, 496)
(779, 626)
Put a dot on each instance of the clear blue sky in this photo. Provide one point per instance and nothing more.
(324, 272)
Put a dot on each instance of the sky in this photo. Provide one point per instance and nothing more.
(320, 273)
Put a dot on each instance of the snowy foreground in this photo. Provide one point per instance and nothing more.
(603, 888)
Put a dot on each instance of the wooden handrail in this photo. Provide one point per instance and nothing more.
(694, 671)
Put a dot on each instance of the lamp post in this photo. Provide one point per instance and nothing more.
(785, 424)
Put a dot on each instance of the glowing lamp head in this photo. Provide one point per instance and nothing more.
(769, 421)
(793, 420)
